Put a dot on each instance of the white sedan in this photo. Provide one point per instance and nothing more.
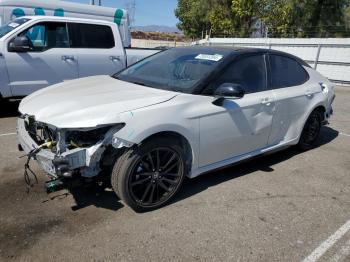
(181, 112)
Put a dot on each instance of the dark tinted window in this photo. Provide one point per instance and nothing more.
(91, 36)
(177, 69)
(250, 72)
(286, 72)
(44, 36)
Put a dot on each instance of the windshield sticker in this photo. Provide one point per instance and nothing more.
(13, 24)
(215, 57)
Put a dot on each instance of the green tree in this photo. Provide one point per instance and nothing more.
(193, 16)
(282, 18)
(276, 15)
(221, 18)
(245, 14)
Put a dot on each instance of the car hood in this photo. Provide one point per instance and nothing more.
(89, 102)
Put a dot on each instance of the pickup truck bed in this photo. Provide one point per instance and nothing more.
(134, 55)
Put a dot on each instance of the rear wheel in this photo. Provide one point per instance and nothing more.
(149, 176)
(311, 131)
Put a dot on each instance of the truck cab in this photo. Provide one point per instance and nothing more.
(39, 51)
(12, 9)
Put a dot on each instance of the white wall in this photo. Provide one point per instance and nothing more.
(145, 43)
(330, 56)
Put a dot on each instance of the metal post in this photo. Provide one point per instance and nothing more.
(317, 56)
(92, 2)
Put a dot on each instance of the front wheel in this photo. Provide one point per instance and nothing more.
(147, 177)
(311, 131)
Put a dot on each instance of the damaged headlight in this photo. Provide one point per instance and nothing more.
(89, 136)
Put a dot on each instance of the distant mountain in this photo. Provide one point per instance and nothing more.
(157, 28)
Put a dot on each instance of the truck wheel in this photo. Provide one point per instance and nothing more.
(147, 177)
(311, 131)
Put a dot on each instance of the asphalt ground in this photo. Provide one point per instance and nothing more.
(288, 206)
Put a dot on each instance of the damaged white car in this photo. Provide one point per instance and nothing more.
(181, 112)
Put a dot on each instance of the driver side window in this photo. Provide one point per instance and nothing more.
(249, 72)
(36, 35)
(44, 36)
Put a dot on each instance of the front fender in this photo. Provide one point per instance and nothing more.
(139, 127)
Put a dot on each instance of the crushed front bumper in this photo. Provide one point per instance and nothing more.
(55, 165)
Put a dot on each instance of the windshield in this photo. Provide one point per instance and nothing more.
(177, 69)
(7, 28)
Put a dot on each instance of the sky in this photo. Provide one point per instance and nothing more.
(148, 12)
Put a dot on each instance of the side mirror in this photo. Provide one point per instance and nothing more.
(20, 44)
(229, 90)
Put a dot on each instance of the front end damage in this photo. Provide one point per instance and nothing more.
(62, 153)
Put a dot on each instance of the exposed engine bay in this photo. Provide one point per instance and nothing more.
(63, 153)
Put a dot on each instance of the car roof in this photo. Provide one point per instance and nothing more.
(230, 50)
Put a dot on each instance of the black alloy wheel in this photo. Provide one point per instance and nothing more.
(146, 178)
(155, 176)
(311, 130)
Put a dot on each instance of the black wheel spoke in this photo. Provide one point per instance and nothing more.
(171, 167)
(139, 182)
(145, 174)
(158, 159)
(146, 192)
(170, 174)
(169, 161)
(162, 185)
(151, 161)
(172, 182)
(150, 199)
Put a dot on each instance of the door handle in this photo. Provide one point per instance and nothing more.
(68, 58)
(114, 58)
(266, 101)
(308, 93)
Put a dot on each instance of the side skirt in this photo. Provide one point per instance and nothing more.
(235, 159)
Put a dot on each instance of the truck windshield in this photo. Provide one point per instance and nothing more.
(177, 69)
(7, 28)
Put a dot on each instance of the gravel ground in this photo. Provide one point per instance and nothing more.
(279, 207)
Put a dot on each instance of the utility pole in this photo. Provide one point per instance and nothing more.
(131, 7)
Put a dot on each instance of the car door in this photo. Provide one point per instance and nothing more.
(238, 125)
(49, 61)
(289, 82)
(99, 51)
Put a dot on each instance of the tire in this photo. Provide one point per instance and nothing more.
(149, 176)
(311, 131)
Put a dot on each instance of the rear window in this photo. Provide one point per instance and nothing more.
(286, 72)
(91, 36)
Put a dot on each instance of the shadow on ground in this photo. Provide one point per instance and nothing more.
(95, 194)
(262, 163)
(9, 108)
